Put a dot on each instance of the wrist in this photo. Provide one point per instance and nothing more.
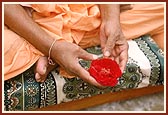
(50, 61)
(53, 50)
(110, 12)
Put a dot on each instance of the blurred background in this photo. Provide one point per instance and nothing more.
(153, 102)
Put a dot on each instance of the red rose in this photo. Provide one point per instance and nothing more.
(105, 71)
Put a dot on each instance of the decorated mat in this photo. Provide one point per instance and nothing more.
(145, 67)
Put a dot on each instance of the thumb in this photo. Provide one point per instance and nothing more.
(84, 74)
(108, 47)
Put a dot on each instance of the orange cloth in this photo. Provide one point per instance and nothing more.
(19, 55)
(69, 22)
(78, 23)
(143, 19)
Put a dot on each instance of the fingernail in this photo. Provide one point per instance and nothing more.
(107, 53)
(44, 69)
(95, 57)
(37, 77)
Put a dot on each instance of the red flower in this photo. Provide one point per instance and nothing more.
(105, 71)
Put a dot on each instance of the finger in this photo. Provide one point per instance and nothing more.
(123, 65)
(87, 56)
(108, 47)
(117, 59)
(123, 60)
(83, 74)
(43, 68)
(103, 40)
(41, 65)
(38, 77)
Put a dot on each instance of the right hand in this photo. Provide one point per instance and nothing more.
(67, 55)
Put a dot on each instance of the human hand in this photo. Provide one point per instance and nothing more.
(67, 55)
(113, 43)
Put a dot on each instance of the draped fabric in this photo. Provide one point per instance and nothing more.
(145, 67)
(77, 23)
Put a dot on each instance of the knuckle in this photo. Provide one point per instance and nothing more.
(78, 50)
(71, 68)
